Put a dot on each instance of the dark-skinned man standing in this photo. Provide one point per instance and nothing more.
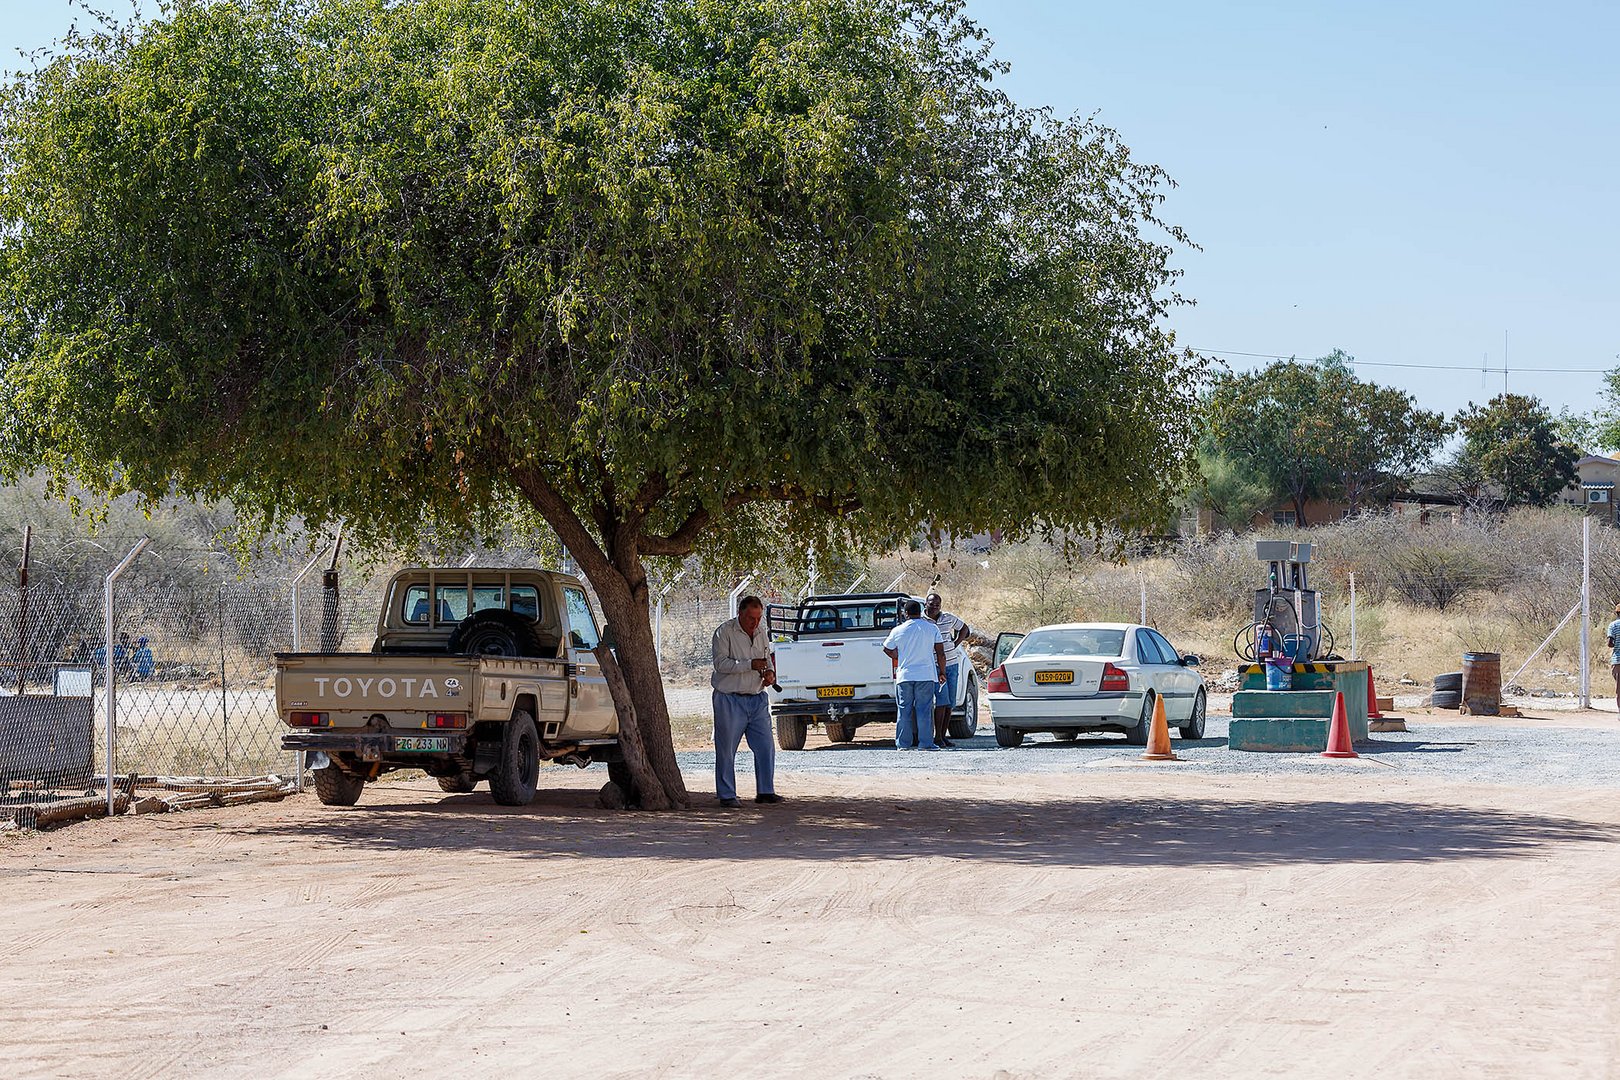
(951, 632)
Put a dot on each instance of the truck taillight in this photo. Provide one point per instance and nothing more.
(448, 719)
(997, 682)
(307, 719)
(1114, 678)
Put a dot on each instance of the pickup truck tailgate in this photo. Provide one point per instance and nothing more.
(830, 669)
(374, 683)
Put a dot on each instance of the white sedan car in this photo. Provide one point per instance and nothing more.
(1076, 677)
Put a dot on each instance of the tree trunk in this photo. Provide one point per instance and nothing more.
(644, 730)
(1299, 510)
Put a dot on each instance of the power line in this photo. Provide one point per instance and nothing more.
(1423, 367)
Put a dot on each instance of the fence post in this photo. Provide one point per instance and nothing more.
(110, 665)
(22, 612)
(1586, 611)
(1141, 579)
(854, 583)
(329, 599)
(898, 578)
(298, 646)
(1352, 615)
(736, 594)
(658, 619)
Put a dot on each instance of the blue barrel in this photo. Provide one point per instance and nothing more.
(1297, 646)
(1279, 673)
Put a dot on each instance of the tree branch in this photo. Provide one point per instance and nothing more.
(681, 540)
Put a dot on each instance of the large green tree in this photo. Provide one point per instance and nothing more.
(1313, 430)
(676, 276)
(1513, 444)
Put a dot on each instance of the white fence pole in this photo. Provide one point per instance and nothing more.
(1586, 612)
(1572, 613)
(736, 594)
(1352, 616)
(854, 583)
(1141, 579)
(110, 664)
(658, 618)
(895, 584)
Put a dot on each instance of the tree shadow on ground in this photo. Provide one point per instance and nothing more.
(1100, 831)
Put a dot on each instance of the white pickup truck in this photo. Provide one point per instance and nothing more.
(831, 668)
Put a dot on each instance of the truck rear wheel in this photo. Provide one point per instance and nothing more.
(517, 772)
(838, 732)
(790, 731)
(334, 787)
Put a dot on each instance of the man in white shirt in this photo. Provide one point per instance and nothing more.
(742, 671)
(918, 653)
(951, 630)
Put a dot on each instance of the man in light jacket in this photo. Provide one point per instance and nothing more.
(742, 671)
(918, 653)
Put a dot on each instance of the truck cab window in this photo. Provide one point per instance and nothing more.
(581, 626)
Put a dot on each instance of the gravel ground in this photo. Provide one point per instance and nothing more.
(1537, 752)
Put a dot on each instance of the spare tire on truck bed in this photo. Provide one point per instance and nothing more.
(498, 632)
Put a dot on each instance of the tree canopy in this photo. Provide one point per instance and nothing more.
(1313, 430)
(675, 275)
(1513, 444)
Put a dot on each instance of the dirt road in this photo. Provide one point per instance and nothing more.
(1112, 922)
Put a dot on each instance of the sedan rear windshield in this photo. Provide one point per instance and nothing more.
(1082, 642)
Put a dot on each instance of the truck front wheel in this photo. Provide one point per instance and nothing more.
(517, 772)
(334, 787)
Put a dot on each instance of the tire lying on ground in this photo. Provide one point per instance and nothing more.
(1445, 699)
(1450, 681)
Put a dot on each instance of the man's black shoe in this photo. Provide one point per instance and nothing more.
(730, 804)
(770, 797)
(945, 742)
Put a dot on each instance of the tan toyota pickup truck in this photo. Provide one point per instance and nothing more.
(476, 674)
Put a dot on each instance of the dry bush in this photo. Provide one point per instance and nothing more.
(1038, 585)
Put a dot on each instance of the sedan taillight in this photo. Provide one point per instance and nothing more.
(1114, 679)
(997, 682)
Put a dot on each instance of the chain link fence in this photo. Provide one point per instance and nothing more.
(191, 662)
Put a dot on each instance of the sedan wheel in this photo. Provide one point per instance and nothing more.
(1138, 735)
(1008, 737)
(1194, 727)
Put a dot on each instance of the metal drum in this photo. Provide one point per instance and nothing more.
(1482, 683)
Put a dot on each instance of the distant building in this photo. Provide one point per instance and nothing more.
(1593, 489)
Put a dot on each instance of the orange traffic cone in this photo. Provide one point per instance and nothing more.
(1158, 746)
(1339, 731)
(1372, 697)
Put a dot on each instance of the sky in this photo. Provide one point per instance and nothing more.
(1429, 186)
